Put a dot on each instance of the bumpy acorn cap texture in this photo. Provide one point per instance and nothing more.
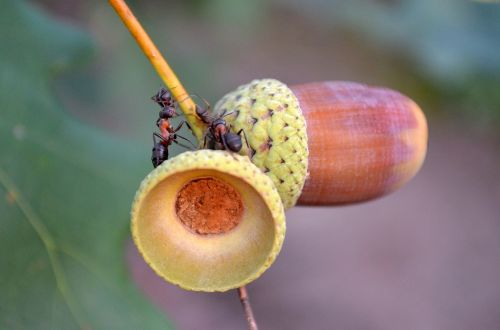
(191, 255)
(269, 113)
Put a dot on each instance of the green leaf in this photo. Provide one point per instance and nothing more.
(65, 192)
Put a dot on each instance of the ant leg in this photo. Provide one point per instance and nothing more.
(160, 137)
(205, 140)
(245, 135)
(183, 145)
(182, 137)
(179, 127)
(184, 99)
(223, 138)
(246, 141)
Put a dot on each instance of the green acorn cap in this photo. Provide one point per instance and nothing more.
(269, 114)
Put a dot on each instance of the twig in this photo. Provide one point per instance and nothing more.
(186, 104)
(245, 302)
(161, 66)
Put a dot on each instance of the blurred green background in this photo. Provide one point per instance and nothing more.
(444, 55)
(75, 140)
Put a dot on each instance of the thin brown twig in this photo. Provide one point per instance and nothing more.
(166, 73)
(247, 307)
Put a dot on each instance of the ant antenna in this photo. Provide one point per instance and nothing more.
(203, 99)
(224, 114)
(199, 97)
(184, 99)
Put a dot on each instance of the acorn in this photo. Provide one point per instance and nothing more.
(328, 143)
(214, 220)
(208, 220)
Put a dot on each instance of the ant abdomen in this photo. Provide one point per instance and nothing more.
(203, 114)
(159, 154)
(233, 141)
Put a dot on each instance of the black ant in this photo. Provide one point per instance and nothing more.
(167, 133)
(219, 131)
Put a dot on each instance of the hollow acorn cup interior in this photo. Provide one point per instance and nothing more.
(185, 244)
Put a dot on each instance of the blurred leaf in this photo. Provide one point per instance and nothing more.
(65, 190)
(450, 40)
(452, 46)
(236, 12)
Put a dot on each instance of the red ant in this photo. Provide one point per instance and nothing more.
(219, 131)
(167, 133)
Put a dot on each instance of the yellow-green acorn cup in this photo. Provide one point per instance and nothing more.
(208, 220)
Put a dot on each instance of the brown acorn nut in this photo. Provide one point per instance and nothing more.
(363, 141)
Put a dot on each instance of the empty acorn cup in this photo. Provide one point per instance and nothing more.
(208, 220)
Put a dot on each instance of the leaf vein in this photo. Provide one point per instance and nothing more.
(48, 241)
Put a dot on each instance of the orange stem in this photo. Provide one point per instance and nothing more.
(161, 66)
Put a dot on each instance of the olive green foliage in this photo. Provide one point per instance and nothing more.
(65, 191)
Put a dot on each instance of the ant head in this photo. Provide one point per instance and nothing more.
(163, 97)
(219, 121)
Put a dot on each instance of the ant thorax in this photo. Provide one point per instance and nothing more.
(218, 122)
(219, 128)
(167, 112)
